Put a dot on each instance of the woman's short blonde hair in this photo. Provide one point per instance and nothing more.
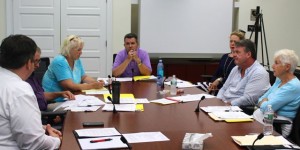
(287, 56)
(239, 33)
(71, 42)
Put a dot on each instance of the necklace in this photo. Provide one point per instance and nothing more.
(226, 68)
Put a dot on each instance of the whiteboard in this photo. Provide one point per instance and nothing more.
(185, 26)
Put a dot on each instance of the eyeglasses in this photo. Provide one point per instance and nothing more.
(37, 61)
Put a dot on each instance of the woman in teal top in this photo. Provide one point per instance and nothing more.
(66, 71)
(284, 95)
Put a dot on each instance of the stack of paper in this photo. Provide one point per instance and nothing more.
(96, 91)
(248, 140)
(107, 138)
(120, 107)
(189, 97)
(230, 116)
(182, 84)
(81, 103)
(210, 109)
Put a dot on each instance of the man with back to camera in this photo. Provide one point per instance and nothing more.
(20, 121)
(248, 80)
(132, 60)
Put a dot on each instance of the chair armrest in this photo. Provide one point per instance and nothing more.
(280, 122)
(248, 109)
(51, 113)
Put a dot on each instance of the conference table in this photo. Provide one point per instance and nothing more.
(174, 121)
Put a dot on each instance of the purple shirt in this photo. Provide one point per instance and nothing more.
(38, 91)
(122, 55)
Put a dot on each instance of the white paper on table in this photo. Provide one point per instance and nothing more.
(81, 101)
(97, 132)
(190, 97)
(145, 137)
(164, 101)
(104, 79)
(96, 91)
(141, 100)
(231, 115)
(114, 143)
(83, 109)
(209, 109)
(127, 100)
(119, 107)
(124, 79)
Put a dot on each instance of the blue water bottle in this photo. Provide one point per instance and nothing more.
(160, 73)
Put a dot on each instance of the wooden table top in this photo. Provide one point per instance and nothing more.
(172, 120)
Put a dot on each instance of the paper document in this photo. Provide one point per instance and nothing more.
(231, 115)
(119, 107)
(145, 137)
(164, 101)
(113, 143)
(96, 91)
(124, 98)
(189, 97)
(81, 101)
(209, 109)
(124, 79)
(182, 84)
(141, 100)
(248, 140)
(104, 79)
(97, 132)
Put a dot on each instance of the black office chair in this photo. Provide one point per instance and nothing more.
(295, 132)
(114, 57)
(47, 117)
(43, 66)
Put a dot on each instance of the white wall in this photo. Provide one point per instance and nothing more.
(281, 21)
(2, 20)
(121, 23)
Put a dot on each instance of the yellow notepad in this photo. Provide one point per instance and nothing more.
(139, 107)
(136, 78)
(239, 120)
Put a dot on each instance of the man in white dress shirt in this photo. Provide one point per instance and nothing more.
(20, 117)
(248, 80)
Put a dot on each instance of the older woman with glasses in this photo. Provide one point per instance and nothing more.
(66, 71)
(284, 95)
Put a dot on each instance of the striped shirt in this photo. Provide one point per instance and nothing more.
(241, 91)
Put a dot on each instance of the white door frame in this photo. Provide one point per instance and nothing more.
(109, 53)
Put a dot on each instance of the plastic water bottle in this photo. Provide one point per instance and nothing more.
(173, 90)
(160, 73)
(268, 121)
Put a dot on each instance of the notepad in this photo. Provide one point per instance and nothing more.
(85, 136)
(248, 140)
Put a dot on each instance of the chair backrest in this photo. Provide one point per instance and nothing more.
(114, 57)
(271, 76)
(295, 133)
(39, 72)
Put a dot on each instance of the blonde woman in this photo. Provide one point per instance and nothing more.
(226, 63)
(66, 71)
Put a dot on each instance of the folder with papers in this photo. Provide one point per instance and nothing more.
(99, 138)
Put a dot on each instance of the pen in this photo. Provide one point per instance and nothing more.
(100, 140)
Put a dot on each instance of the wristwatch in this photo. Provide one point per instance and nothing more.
(139, 64)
